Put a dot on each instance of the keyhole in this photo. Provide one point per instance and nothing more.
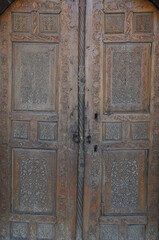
(96, 116)
(95, 148)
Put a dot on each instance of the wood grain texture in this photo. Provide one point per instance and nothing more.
(105, 80)
(38, 158)
(123, 147)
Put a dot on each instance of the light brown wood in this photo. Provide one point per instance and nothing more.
(121, 175)
(38, 111)
(41, 64)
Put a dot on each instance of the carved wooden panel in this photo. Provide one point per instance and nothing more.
(46, 231)
(38, 106)
(114, 23)
(49, 23)
(112, 131)
(47, 131)
(109, 232)
(136, 232)
(21, 22)
(124, 182)
(34, 181)
(124, 227)
(126, 85)
(20, 129)
(143, 22)
(34, 83)
(140, 131)
(19, 230)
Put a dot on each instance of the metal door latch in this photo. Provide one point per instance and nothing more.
(89, 138)
(75, 133)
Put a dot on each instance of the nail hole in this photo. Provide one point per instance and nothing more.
(96, 116)
(95, 148)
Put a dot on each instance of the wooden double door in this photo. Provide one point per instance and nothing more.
(46, 190)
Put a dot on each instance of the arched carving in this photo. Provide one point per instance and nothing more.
(5, 4)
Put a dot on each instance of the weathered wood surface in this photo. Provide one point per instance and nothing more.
(122, 105)
(4, 4)
(38, 116)
(49, 65)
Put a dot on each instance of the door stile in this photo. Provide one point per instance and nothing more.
(81, 120)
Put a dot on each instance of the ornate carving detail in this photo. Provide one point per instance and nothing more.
(34, 38)
(143, 22)
(122, 82)
(34, 82)
(127, 80)
(140, 130)
(34, 181)
(112, 131)
(37, 5)
(49, 23)
(124, 182)
(20, 129)
(21, 22)
(129, 27)
(125, 6)
(47, 131)
(136, 232)
(46, 231)
(35, 22)
(114, 23)
(109, 232)
(19, 230)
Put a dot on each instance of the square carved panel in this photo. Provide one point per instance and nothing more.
(20, 129)
(143, 22)
(49, 23)
(140, 130)
(47, 131)
(33, 181)
(124, 181)
(109, 232)
(114, 23)
(34, 77)
(46, 231)
(127, 85)
(19, 230)
(136, 232)
(112, 131)
(21, 22)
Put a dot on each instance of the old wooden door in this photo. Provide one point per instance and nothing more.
(122, 114)
(38, 115)
(46, 68)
